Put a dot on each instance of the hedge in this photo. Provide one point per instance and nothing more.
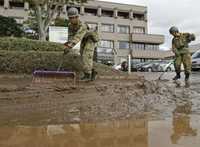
(27, 62)
(19, 55)
(23, 44)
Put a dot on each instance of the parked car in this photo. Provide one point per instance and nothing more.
(157, 66)
(196, 60)
(124, 66)
(117, 66)
(167, 66)
(30, 31)
(140, 67)
(134, 65)
(151, 66)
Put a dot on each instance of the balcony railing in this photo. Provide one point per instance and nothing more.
(147, 38)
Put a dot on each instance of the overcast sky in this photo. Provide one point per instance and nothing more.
(185, 14)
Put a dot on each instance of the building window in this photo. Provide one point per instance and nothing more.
(107, 13)
(105, 47)
(106, 44)
(91, 12)
(92, 26)
(105, 50)
(123, 29)
(124, 15)
(138, 46)
(124, 45)
(15, 4)
(138, 16)
(135, 61)
(152, 47)
(138, 30)
(107, 28)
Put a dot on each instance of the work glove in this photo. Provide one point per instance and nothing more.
(67, 49)
(66, 44)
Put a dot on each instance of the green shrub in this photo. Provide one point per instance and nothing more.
(27, 62)
(19, 55)
(9, 27)
(22, 44)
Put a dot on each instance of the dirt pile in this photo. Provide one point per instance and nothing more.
(110, 97)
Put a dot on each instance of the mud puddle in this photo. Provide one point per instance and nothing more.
(110, 112)
(182, 130)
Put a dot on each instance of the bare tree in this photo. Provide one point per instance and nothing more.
(46, 11)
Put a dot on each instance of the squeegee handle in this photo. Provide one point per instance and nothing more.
(61, 63)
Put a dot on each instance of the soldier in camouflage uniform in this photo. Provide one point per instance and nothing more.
(79, 31)
(182, 55)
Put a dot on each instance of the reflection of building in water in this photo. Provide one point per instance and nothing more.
(117, 134)
(113, 134)
(181, 122)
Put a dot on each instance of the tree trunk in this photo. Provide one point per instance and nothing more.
(42, 35)
(40, 21)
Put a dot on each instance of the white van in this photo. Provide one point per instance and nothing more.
(196, 60)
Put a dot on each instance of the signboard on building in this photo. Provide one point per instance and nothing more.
(60, 35)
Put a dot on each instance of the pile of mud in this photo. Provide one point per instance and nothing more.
(108, 98)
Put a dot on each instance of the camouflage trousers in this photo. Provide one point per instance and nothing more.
(184, 58)
(87, 52)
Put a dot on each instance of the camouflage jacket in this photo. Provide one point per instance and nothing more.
(80, 32)
(180, 43)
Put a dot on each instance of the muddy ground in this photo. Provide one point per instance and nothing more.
(50, 101)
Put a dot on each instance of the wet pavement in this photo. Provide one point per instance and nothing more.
(171, 118)
(195, 76)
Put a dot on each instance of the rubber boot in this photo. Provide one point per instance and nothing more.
(93, 75)
(178, 76)
(86, 77)
(187, 80)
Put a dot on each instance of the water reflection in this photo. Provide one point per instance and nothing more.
(125, 133)
(182, 122)
(109, 134)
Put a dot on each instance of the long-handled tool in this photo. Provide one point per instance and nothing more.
(159, 78)
(61, 63)
(54, 73)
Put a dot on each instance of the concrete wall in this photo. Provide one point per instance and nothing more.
(148, 38)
